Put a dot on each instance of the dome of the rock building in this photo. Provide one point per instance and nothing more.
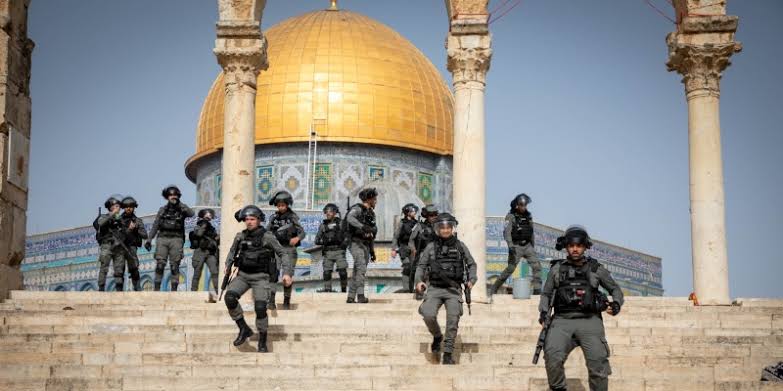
(379, 107)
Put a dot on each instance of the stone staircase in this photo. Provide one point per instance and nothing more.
(180, 341)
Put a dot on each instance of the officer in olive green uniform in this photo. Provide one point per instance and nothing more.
(205, 242)
(134, 233)
(284, 224)
(331, 238)
(450, 266)
(518, 233)
(107, 233)
(257, 249)
(400, 246)
(169, 227)
(362, 229)
(423, 234)
(572, 289)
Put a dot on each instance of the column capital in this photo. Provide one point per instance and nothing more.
(469, 58)
(240, 49)
(700, 65)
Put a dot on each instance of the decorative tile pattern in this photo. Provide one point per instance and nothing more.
(424, 187)
(218, 188)
(405, 179)
(375, 173)
(323, 184)
(264, 183)
(292, 179)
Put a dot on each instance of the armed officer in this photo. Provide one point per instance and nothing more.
(205, 242)
(450, 266)
(169, 227)
(362, 229)
(572, 288)
(331, 238)
(400, 244)
(422, 235)
(253, 253)
(134, 232)
(107, 233)
(518, 233)
(284, 224)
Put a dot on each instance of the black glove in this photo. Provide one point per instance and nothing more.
(372, 257)
(615, 307)
(148, 246)
(542, 318)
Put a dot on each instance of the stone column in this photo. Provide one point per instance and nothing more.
(15, 53)
(700, 51)
(241, 52)
(469, 53)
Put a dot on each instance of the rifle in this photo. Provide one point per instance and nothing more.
(117, 240)
(465, 280)
(229, 274)
(544, 331)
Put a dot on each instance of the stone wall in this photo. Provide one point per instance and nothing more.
(15, 52)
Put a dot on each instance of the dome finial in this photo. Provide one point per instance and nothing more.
(333, 6)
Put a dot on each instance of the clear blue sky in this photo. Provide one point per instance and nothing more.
(581, 115)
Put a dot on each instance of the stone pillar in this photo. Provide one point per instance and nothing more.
(700, 51)
(15, 52)
(241, 52)
(469, 53)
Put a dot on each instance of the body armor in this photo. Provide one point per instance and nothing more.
(282, 225)
(406, 228)
(367, 218)
(522, 229)
(447, 269)
(254, 257)
(207, 242)
(333, 233)
(576, 289)
(172, 221)
(425, 236)
(103, 234)
(132, 238)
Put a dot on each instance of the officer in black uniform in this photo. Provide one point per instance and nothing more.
(450, 267)
(135, 232)
(257, 249)
(169, 227)
(284, 224)
(572, 288)
(400, 246)
(205, 242)
(108, 234)
(422, 235)
(518, 232)
(362, 230)
(331, 238)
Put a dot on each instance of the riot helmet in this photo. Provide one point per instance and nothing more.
(332, 207)
(523, 199)
(250, 210)
(445, 221)
(203, 213)
(429, 210)
(237, 217)
(282, 196)
(129, 202)
(368, 194)
(575, 234)
(408, 208)
(111, 201)
(171, 190)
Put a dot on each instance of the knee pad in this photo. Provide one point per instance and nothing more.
(406, 270)
(260, 309)
(343, 273)
(160, 267)
(327, 275)
(232, 300)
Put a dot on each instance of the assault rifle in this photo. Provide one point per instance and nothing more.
(465, 280)
(118, 241)
(544, 331)
(229, 275)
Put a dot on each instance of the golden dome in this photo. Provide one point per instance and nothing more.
(351, 77)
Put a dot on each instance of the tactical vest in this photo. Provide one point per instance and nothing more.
(425, 236)
(522, 229)
(447, 269)
(207, 242)
(132, 238)
(367, 218)
(283, 227)
(576, 288)
(406, 229)
(254, 257)
(332, 234)
(103, 234)
(172, 221)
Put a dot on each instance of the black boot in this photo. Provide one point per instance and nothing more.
(436, 344)
(174, 286)
(245, 332)
(101, 288)
(136, 285)
(447, 359)
(157, 286)
(119, 288)
(362, 299)
(262, 342)
(325, 289)
(271, 305)
(343, 287)
(351, 300)
(495, 286)
(286, 302)
(343, 280)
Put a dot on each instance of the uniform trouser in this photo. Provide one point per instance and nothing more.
(566, 334)
(200, 257)
(168, 248)
(332, 258)
(109, 253)
(361, 256)
(515, 254)
(286, 266)
(407, 272)
(260, 284)
(132, 261)
(434, 298)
